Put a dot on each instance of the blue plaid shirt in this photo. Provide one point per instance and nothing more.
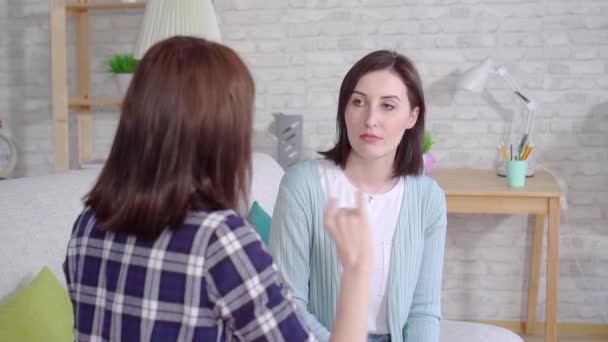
(209, 280)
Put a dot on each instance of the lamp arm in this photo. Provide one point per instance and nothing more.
(530, 120)
(504, 74)
(530, 105)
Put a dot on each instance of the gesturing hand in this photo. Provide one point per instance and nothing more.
(349, 228)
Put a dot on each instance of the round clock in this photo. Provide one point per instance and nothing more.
(8, 155)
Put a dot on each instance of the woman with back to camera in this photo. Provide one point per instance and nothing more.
(160, 252)
(380, 126)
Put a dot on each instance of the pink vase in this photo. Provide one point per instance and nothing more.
(428, 161)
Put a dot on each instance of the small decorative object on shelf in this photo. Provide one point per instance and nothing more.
(289, 139)
(427, 157)
(123, 66)
(8, 155)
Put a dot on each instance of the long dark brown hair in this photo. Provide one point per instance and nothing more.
(183, 140)
(408, 159)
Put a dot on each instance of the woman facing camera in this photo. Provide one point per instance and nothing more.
(160, 252)
(380, 128)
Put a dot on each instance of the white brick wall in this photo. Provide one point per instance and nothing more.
(299, 50)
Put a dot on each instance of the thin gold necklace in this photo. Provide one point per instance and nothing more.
(370, 197)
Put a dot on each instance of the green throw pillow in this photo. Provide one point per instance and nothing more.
(40, 312)
(260, 220)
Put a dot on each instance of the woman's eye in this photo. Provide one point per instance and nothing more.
(388, 106)
(358, 102)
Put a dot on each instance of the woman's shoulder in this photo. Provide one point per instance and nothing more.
(209, 227)
(425, 185)
(213, 219)
(303, 173)
(426, 192)
(303, 168)
(85, 219)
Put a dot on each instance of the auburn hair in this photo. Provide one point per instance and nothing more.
(183, 140)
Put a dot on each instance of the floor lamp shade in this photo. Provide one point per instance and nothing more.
(167, 18)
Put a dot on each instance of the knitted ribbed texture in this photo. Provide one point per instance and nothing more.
(307, 258)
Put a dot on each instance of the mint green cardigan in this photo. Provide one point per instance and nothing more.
(307, 259)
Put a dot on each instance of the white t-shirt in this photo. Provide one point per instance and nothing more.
(383, 212)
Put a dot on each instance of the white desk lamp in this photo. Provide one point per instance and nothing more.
(475, 80)
(168, 18)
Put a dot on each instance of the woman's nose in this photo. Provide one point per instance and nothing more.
(372, 117)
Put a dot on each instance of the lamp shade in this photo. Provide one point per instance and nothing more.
(168, 18)
(475, 78)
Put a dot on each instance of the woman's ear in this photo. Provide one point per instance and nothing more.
(413, 117)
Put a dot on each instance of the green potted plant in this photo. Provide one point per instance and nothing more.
(123, 66)
(427, 157)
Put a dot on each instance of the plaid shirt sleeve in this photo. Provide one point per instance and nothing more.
(243, 284)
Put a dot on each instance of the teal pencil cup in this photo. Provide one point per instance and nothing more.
(516, 173)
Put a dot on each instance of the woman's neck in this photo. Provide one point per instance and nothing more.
(370, 176)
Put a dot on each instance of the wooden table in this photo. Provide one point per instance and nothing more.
(482, 192)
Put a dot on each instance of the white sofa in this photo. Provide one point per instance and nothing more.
(37, 213)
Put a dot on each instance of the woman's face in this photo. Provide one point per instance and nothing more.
(377, 114)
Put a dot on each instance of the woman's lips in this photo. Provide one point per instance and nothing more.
(369, 137)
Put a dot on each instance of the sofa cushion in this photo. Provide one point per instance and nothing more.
(260, 220)
(456, 331)
(266, 177)
(40, 312)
